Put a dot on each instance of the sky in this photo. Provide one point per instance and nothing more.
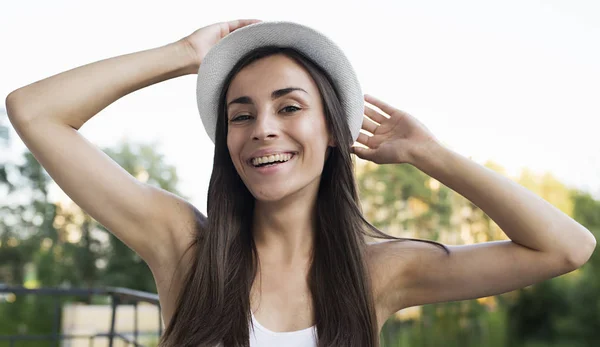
(516, 82)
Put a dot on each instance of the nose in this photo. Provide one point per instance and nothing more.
(266, 126)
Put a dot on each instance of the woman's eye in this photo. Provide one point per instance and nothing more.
(243, 117)
(294, 108)
(240, 118)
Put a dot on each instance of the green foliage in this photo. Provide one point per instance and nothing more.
(584, 295)
(45, 244)
(454, 324)
(37, 248)
(397, 198)
(564, 311)
(560, 312)
(4, 134)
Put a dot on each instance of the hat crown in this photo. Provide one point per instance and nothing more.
(223, 56)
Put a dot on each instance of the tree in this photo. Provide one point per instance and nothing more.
(584, 296)
(403, 201)
(540, 310)
(43, 243)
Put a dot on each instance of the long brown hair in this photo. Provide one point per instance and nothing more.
(213, 306)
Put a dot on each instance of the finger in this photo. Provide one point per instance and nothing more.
(374, 115)
(363, 139)
(363, 153)
(385, 107)
(236, 24)
(369, 125)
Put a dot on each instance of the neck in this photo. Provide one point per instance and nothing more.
(283, 230)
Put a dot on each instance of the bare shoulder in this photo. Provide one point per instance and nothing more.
(180, 224)
(186, 222)
(402, 253)
(389, 262)
(377, 254)
(185, 228)
(413, 273)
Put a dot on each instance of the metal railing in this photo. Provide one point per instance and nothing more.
(118, 297)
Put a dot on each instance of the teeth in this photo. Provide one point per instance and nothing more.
(271, 158)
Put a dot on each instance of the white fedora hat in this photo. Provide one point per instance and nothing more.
(223, 56)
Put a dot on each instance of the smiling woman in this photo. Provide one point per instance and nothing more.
(289, 236)
(298, 272)
(281, 258)
(268, 128)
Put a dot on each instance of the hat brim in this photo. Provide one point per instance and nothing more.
(223, 56)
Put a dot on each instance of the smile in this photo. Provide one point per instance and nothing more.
(272, 159)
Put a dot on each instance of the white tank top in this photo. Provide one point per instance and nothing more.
(263, 337)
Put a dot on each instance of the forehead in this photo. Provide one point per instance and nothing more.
(263, 76)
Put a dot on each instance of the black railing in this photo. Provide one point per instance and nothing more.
(118, 296)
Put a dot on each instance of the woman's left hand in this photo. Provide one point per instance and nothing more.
(397, 137)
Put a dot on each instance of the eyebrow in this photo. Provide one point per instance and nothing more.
(276, 94)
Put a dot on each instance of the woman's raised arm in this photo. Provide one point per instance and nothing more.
(544, 241)
(48, 113)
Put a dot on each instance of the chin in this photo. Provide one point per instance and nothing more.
(268, 194)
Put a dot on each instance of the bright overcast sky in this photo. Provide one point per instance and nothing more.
(513, 81)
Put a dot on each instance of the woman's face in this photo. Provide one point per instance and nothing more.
(277, 135)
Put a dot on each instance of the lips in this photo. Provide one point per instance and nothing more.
(260, 154)
(272, 159)
(274, 167)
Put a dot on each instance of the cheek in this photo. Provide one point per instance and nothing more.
(315, 137)
(312, 129)
(234, 143)
(234, 151)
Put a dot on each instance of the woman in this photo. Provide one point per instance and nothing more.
(282, 250)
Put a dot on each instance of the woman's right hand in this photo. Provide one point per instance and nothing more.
(203, 39)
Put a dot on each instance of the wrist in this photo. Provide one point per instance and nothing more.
(426, 156)
(188, 56)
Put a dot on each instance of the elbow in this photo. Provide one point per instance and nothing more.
(13, 111)
(583, 253)
(19, 114)
(10, 103)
